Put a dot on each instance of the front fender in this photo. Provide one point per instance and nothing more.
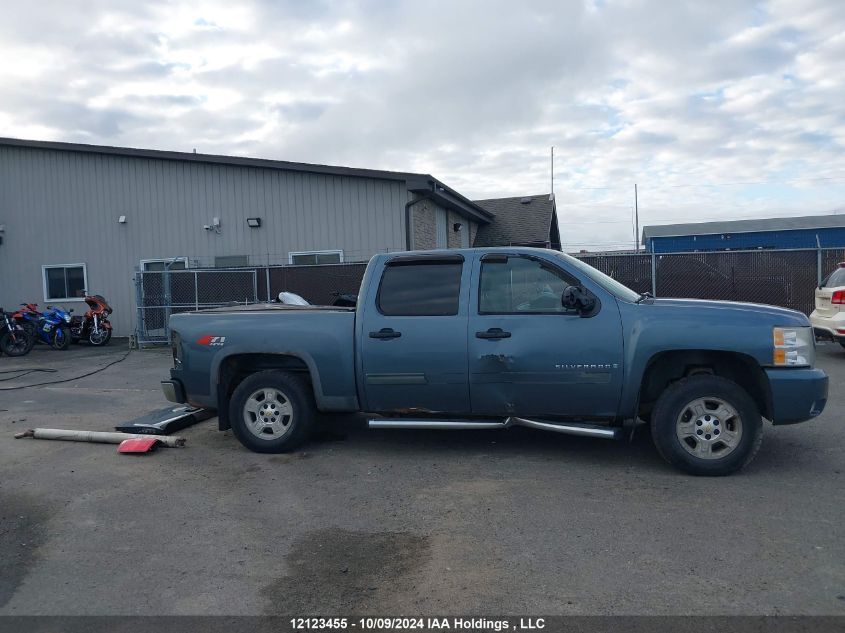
(654, 329)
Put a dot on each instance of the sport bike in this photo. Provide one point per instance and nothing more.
(51, 327)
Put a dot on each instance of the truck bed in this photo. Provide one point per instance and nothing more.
(323, 337)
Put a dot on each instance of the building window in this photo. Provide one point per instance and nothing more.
(158, 265)
(63, 282)
(231, 261)
(309, 258)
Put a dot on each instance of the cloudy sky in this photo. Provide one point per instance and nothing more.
(716, 108)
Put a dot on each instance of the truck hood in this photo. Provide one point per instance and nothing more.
(774, 314)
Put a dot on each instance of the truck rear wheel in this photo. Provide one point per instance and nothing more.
(272, 411)
(706, 425)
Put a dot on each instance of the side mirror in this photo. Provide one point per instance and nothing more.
(578, 299)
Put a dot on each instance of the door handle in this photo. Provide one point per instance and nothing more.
(493, 332)
(385, 332)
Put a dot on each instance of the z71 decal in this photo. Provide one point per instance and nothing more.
(215, 341)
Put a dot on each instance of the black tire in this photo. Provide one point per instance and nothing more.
(60, 339)
(30, 328)
(18, 345)
(842, 343)
(674, 405)
(31, 331)
(296, 397)
(100, 342)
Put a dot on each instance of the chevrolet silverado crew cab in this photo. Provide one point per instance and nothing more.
(490, 338)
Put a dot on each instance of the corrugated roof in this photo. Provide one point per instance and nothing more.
(519, 220)
(745, 226)
(415, 182)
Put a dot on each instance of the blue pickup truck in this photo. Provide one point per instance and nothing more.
(490, 338)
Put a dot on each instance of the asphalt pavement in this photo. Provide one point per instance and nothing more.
(400, 522)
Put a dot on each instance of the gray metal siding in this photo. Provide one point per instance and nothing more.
(61, 207)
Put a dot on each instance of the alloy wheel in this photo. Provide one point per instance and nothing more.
(268, 413)
(709, 428)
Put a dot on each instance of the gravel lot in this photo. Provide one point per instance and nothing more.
(401, 522)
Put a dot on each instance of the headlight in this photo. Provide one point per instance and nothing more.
(67, 318)
(793, 346)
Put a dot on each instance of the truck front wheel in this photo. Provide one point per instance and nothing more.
(706, 425)
(272, 411)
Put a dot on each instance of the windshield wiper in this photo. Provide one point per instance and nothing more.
(644, 296)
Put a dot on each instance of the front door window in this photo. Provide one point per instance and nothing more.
(521, 285)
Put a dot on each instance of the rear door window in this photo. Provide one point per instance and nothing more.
(420, 289)
(836, 279)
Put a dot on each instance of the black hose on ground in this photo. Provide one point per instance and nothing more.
(55, 382)
(23, 372)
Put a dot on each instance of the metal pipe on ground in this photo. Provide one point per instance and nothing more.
(97, 436)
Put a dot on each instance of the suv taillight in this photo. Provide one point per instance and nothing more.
(838, 296)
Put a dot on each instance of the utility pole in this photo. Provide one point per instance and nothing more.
(636, 219)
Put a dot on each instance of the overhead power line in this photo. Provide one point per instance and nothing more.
(782, 214)
(713, 184)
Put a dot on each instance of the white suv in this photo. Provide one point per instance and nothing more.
(828, 319)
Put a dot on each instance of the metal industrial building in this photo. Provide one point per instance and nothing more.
(76, 217)
(818, 231)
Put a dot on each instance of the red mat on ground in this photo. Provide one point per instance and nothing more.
(137, 445)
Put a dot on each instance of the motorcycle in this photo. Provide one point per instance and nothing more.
(27, 317)
(51, 326)
(15, 340)
(94, 326)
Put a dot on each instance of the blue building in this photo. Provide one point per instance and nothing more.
(827, 231)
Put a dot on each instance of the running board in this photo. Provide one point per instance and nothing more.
(570, 428)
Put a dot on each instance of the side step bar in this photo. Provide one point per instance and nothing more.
(569, 428)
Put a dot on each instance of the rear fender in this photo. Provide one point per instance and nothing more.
(234, 350)
(220, 383)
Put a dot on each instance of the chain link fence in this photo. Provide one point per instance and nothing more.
(158, 294)
(317, 284)
(633, 270)
(786, 278)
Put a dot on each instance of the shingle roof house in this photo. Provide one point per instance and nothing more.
(520, 221)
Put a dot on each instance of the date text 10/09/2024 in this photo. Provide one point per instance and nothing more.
(418, 624)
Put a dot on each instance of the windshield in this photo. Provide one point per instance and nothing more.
(608, 283)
